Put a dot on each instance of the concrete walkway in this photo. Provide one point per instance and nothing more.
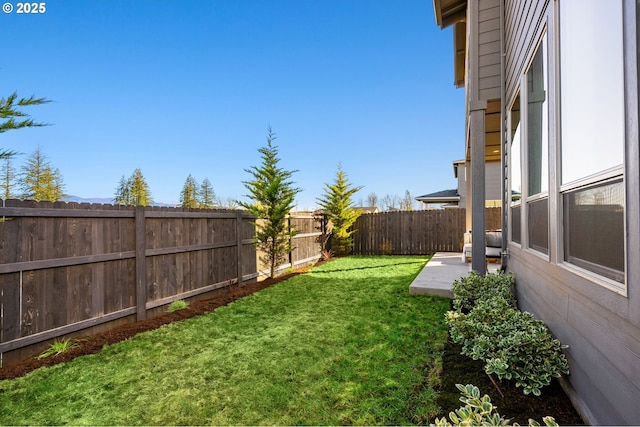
(438, 275)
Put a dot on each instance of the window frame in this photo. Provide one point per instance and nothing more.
(514, 204)
(542, 38)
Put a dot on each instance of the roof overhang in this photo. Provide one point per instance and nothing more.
(454, 12)
(445, 196)
(448, 12)
(438, 199)
(492, 143)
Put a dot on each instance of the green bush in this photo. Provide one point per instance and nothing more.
(479, 411)
(177, 305)
(512, 343)
(468, 290)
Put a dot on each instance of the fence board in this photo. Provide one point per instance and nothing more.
(67, 266)
(415, 232)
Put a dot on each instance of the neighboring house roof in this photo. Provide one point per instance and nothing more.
(368, 209)
(444, 196)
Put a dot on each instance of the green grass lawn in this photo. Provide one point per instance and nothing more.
(342, 344)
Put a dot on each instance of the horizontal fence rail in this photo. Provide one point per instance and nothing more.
(66, 267)
(415, 232)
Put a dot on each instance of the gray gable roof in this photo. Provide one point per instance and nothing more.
(444, 196)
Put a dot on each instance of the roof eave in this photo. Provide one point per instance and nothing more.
(448, 12)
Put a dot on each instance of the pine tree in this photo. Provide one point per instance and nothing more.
(39, 181)
(206, 195)
(271, 195)
(338, 205)
(140, 194)
(123, 196)
(189, 193)
(9, 113)
(8, 176)
(133, 191)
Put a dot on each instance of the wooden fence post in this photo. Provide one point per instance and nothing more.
(141, 264)
(290, 241)
(239, 245)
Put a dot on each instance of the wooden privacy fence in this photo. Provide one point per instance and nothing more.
(68, 267)
(307, 244)
(415, 232)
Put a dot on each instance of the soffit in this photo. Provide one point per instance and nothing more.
(492, 150)
(448, 12)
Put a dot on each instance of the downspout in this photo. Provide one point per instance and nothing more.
(506, 189)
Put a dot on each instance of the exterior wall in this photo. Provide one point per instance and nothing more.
(601, 326)
(483, 50)
(462, 184)
(493, 179)
(522, 19)
(489, 49)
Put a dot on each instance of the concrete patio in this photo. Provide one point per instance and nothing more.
(438, 275)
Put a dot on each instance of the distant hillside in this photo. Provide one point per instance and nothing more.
(103, 200)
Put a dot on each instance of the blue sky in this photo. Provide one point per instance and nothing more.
(179, 87)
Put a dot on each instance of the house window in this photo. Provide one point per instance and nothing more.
(516, 225)
(592, 119)
(515, 177)
(537, 150)
(592, 87)
(538, 225)
(594, 228)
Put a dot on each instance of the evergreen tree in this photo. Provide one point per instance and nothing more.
(338, 206)
(189, 193)
(133, 191)
(140, 193)
(9, 113)
(271, 195)
(39, 181)
(8, 176)
(206, 195)
(122, 196)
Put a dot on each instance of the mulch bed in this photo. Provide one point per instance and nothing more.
(94, 343)
(515, 405)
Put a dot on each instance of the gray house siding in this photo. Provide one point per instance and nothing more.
(604, 345)
(601, 326)
(493, 189)
(522, 20)
(485, 81)
(493, 179)
(488, 38)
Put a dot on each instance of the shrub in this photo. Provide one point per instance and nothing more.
(512, 343)
(468, 290)
(177, 305)
(479, 411)
(327, 255)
